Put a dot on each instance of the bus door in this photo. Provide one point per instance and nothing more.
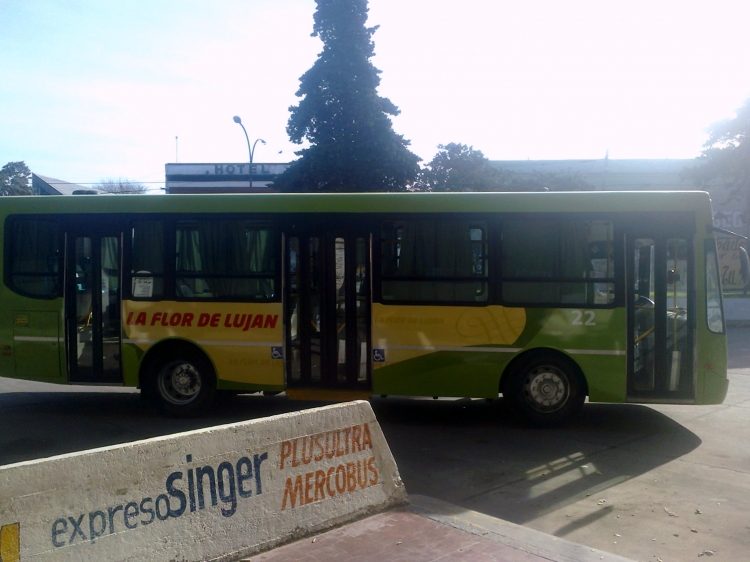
(660, 317)
(327, 309)
(92, 298)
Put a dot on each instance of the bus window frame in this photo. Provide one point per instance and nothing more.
(710, 247)
(170, 258)
(618, 222)
(9, 238)
(127, 254)
(489, 220)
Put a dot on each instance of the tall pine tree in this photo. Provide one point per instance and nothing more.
(353, 147)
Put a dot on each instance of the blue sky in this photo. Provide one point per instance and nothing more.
(96, 89)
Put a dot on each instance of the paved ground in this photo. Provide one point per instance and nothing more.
(646, 483)
(431, 531)
(653, 483)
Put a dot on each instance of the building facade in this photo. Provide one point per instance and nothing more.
(221, 178)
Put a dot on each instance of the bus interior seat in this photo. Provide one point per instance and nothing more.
(184, 290)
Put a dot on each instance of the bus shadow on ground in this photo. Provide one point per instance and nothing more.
(471, 453)
(474, 454)
(36, 425)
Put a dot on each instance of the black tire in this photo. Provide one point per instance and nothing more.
(546, 389)
(184, 383)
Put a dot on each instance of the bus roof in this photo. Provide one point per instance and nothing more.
(475, 202)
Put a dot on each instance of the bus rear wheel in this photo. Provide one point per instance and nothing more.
(546, 390)
(185, 384)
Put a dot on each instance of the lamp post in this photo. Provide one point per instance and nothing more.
(251, 150)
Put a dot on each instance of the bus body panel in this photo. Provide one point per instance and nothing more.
(711, 348)
(36, 340)
(463, 351)
(711, 365)
(443, 350)
(243, 340)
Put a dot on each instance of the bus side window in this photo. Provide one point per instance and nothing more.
(440, 261)
(34, 251)
(147, 260)
(548, 262)
(225, 259)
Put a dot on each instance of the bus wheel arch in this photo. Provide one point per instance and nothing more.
(544, 386)
(180, 377)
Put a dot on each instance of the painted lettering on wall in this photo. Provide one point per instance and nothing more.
(730, 262)
(186, 491)
(242, 322)
(317, 484)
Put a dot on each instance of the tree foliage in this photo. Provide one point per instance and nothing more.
(353, 146)
(726, 154)
(15, 178)
(458, 167)
(552, 181)
(120, 186)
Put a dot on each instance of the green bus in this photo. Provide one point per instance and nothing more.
(543, 298)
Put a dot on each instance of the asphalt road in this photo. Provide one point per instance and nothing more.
(648, 483)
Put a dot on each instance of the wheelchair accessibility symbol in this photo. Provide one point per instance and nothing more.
(277, 353)
(378, 355)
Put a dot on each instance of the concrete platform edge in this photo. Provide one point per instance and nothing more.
(516, 536)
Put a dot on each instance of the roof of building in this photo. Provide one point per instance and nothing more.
(607, 174)
(44, 185)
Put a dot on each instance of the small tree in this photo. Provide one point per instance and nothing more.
(120, 186)
(726, 154)
(458, 167)
(353, 145)
(15, 179)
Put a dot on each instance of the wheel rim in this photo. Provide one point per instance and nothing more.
(546, 388)
(179, 382)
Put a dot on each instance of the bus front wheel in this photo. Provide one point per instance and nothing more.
(546, 389)
(185, 384)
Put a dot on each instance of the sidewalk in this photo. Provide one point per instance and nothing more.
(430, 530)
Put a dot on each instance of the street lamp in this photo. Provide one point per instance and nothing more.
(251, 150)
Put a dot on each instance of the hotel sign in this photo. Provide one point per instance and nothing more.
(223, 171)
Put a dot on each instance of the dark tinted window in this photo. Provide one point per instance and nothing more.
(147, 259)
(225, 259)
(556, 262)
(34, 252)
(427, 260)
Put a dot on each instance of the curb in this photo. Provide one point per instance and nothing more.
(522, 538)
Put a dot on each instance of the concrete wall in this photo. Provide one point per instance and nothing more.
(213, 494)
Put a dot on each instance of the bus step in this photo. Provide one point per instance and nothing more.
(327, 394)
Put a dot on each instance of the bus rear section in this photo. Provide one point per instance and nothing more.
(622, 307)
